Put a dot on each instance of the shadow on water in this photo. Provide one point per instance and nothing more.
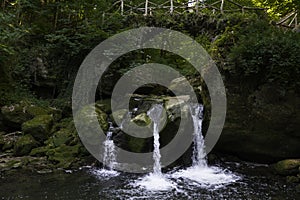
(256, 183)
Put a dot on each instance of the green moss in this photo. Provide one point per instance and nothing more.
(63, 136)
(287, 167)
(36, 111)
(39, 151)
(142, 120)
(64, 156)
(39, 127)
(24, 145)
(15, 115)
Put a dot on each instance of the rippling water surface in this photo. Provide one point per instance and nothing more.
(233, 181)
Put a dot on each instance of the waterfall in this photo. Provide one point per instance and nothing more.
(155, 181)
(155, 113)
(200, 173)
(109, 158)
(198, 157)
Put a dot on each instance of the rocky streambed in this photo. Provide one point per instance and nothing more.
(44, 139)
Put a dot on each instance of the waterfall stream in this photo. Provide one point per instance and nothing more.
(155, 181)
(200, 173)
(155, 113)
(109, 157)
(198, 157)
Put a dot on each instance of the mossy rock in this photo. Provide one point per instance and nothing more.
(11, 164)
(36, 111)
(64, 156)
(39, 151)
(66, 123)
(15, 115)
(287, 167)
(39, 127)
(63, 136)
(86, 118)
(142, 119)
(8, 141)
(24, 145)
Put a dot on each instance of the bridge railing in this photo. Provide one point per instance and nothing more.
(290, 20)
(148, 7)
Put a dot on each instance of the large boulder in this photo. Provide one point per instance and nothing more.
(24, 145)
(262, 126)
(141, 120)
(64, 156)
(63, 136)
(12, 117)
(39, 127)
(287, 167)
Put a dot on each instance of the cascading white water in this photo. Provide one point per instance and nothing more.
(198, 157)
(155, 181)
(109, 157)
(200, 172)
(155, 113)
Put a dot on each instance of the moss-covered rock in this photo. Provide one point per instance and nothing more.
(86, 116)
(63, 136)
(36, 111)
(26, 162)
(15, 115)
(8, 164)
(39, 127)
(24, 145)
(39, 151)
(7, 141)
(142, 119)
(64, 156)
(287, 167)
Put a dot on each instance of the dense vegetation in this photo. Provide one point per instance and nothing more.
(43, 43)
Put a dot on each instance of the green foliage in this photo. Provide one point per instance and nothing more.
(258, 53)
(278, 8)
(57, 35)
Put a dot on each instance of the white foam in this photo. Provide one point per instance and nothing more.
(206, 176)
(104, 173)
(155, 182)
